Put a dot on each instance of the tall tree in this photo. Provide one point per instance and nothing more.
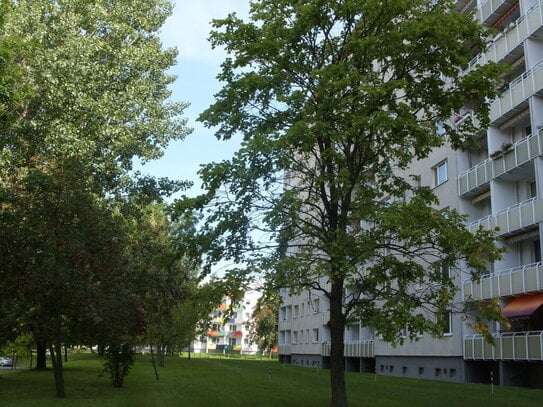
(99, 99)
(334, 100)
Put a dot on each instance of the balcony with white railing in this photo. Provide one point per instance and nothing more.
(356, 349)
(522, 216)
(491, 8)
(507, 162)
(515, 98)
(514, 281)
(509, 41)
(516, 346)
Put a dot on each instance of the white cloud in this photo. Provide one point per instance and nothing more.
(188, 27)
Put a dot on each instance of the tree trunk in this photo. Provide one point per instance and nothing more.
(41, 356)
(160, 354)
(56, 359)
(337, 333)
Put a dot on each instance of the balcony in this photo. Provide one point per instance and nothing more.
(509, 42)
(516, 346)
(523, 151)
(518, 280)
(514, 219)
(515, 98)
(491, 10)
(356, 349)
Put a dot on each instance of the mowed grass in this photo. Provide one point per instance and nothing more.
(239, 382)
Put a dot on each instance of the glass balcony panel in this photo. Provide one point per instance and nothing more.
(535, 350)
(522, 152)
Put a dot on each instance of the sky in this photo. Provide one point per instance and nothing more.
(196, 70)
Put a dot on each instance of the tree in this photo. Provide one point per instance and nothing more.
(335, 100)
(98, 82)
(168, 277)
(264, 323)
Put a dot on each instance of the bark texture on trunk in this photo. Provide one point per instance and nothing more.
(337, 333)
(56, 358)
(41, 357)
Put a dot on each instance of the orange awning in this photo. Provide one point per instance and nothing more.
(523, 306)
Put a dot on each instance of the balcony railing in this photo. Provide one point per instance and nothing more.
(518, 217)
(518, 280)
(489, 7)
(522, 346)
(359, 349)
(523, 151)
(505, 43)
(520, 89)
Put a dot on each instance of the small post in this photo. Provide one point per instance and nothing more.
(269, 373)
(375, 374)
(492, 382)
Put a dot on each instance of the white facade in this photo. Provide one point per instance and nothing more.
(229, 330)
(497, 184)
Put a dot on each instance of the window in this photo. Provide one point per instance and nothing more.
(537, 251)
(246, 341)
(316, 335)
(295, 337)
(440, 173)
(446, 320)
(307, 336)
(532, 189)
(233, 328)
(421, 371)
(295, 312)
(445, 272)
(316, 304)
(232, 341)
(403, 332)
(302, 312)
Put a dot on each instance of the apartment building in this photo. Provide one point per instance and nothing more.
(230, 326)
(499, 183)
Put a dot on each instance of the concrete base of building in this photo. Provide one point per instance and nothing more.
(506, 373)
(314, 361)
(449, 369)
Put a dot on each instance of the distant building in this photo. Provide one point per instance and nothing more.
(229, 329)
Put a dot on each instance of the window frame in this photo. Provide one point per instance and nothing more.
(440, 177)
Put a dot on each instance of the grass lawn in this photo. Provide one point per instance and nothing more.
(240, 382)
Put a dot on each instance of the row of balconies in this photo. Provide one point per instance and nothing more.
(518, 280)
(509, 41)
(358, 349)
(515, 98)
(478, 177)
(515, 346)
(522, 216)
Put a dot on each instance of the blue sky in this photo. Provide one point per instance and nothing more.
(187, 30)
